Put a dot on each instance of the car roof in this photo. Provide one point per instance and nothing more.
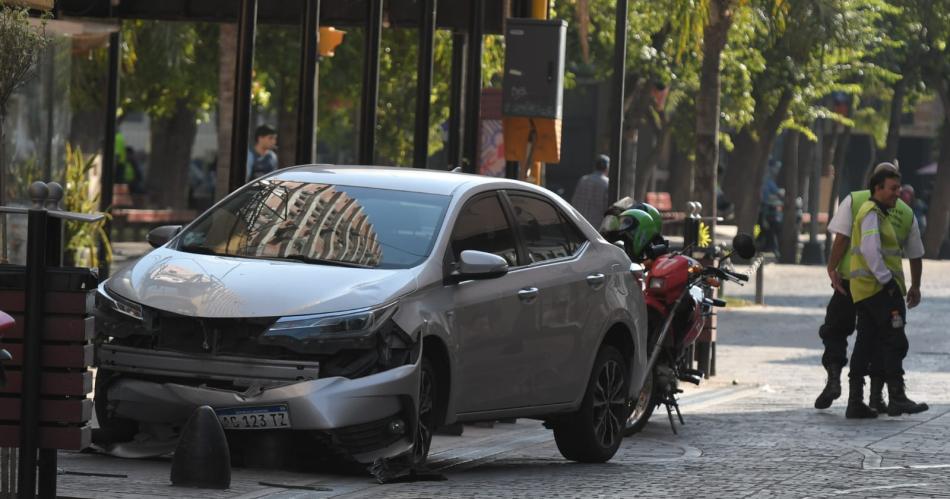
(396, 178)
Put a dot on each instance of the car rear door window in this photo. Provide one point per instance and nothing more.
(482, 226)
(547, 234)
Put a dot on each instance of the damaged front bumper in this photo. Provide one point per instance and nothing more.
(366, 418)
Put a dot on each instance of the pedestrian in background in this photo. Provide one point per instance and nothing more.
(878, 291)
(261, 158)
(591, 193)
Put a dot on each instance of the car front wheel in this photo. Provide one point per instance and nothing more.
(593, 433)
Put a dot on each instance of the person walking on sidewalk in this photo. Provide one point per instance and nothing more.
(878, 290)
(840, 314)
(591, 193)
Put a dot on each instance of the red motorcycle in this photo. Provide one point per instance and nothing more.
(677, 293)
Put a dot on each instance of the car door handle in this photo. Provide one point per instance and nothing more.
(528, 295)
(595, 280)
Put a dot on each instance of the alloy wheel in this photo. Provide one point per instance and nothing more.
(609, 403)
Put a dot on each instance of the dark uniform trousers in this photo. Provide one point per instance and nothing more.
(880, 348)
(839, 324)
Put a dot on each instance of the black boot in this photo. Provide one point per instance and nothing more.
(832, 388)
(898, 401)
(876, 397)
(857, 409)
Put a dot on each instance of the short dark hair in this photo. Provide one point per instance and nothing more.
(264, 131)
(880, 175)
(602, 162)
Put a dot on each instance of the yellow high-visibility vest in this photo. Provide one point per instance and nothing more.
(901, 217)
(863, 283)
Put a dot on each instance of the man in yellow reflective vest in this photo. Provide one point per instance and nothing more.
(840, 315)
(878, 290)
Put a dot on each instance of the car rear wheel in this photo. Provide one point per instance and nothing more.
(594, 433)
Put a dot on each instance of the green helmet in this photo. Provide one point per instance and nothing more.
(639, 228)
(654, 214)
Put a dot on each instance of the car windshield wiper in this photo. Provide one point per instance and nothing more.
(309, 259)
(200, 249)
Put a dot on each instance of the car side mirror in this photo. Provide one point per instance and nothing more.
(744, 245)
(479, 265)
(161, 235)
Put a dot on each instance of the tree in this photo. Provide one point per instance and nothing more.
(22, 44)
(715, 36)
(934, 18)
(170, 72)
(813, 48)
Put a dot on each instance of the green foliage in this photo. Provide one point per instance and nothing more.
(167, 65)
(21, 176)
(341, 87)
(22, 44)
(82, 239)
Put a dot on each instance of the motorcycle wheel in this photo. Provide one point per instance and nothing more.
(643, 407)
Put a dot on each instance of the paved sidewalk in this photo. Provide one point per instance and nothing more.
(751, 431)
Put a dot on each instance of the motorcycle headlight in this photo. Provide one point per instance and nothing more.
(119, 304)
(657, 282)
(340, 323)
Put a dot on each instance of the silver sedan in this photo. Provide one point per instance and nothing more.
(359, 308)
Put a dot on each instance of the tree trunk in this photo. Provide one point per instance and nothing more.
(171, 139)
(628, 166)
(227, 59)
(743, 180)
(739, 186)
(788, 245)
(636, 105)
(715, 34)
(680, 181)
(652, 161)
(938, 216)
(889, 153)
(286, 134)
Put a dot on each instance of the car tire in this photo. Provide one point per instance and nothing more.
(594, 433)
(643, 407)
(111, 429)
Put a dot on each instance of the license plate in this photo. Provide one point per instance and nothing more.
(254, 418)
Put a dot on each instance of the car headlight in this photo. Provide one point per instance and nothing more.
(119, 304)
(338, 323)
(657, 282)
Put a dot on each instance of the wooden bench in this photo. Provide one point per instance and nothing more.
(664, 204)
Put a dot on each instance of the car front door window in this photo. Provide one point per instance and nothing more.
(482, 226)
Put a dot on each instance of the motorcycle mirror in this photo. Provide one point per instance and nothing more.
(744, 245)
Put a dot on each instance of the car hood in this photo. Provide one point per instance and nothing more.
(216, 286)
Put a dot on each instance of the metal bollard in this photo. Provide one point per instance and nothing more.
(760, 285)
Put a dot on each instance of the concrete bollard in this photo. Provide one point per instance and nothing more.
(202, 458)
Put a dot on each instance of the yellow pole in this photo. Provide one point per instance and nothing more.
(539, 9)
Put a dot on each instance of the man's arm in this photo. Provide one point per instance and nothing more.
(913, 292)
(914, 250)
(838, 248)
